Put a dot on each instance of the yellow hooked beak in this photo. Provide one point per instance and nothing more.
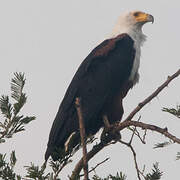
(143, 17)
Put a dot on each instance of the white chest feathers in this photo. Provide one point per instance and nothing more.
(139, 39)
(134, 76)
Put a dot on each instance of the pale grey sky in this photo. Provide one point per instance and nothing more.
(49, 39)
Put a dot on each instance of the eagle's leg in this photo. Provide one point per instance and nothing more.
(108, 133)
(106, 122)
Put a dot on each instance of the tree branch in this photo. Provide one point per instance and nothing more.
(134, 155)
(93, 168)
(127, 122)
(90, 155)
(83, 136)
(118, 128)
(145, 126)
(154, 94)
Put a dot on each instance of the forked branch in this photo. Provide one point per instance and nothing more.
(127, 123)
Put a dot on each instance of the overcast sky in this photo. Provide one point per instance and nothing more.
(49, 39)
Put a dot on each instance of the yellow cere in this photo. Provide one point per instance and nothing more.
(141, 17)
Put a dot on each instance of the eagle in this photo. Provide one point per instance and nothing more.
(101, 82)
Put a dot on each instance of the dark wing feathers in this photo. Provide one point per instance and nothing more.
(98, 76)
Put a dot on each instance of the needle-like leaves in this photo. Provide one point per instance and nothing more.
(173, 111)
(17, 85)
(156, 173)
(14, 122)
(178, 156)
(5, 107)
(161, 145)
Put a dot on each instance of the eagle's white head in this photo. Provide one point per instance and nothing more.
(131, 23)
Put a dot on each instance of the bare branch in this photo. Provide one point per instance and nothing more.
(134, 155)
(93, 169)
(118, 128)
(154, 94)
(127, 122)
(144, 136)
(83, 136)
(134, 132)
(142, 139)
(90, 155)
(142, 125)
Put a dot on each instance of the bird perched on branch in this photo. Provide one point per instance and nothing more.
(101, 81)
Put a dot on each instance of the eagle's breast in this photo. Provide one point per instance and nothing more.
(134, 76)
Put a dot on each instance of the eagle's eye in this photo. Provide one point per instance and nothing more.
(136, 14)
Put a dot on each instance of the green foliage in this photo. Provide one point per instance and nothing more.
(35, 172)
(178, 156)
(14, 122)
(5, 107)
(161, 145)
(173, 111)
(156, 174)
(119, 176)
(176, 113)
(7, 168)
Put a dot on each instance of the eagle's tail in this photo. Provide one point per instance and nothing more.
(63, 135)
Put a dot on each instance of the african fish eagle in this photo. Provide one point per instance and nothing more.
(101, 81)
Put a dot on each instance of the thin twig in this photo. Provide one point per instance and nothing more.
(134, 132)
(132, 135)
(134, 155)
(154, 94)
(139, 136)
(83, 136)
(96, 166)
(144, 136)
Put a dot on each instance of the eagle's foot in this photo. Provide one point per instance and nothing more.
(109, 134)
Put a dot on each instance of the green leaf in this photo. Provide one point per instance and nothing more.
(9, 135)
(2, 160)
(27, 119)
(156, 173)
(178, 156)
(5, 107)
(13, 159)
(20, 103)
(17, 84)
(161, 145)
(36, 172)
(6, 170)
(2, 141)
(18, 177)
(119, 176)
(173, 111)
(19, 129)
